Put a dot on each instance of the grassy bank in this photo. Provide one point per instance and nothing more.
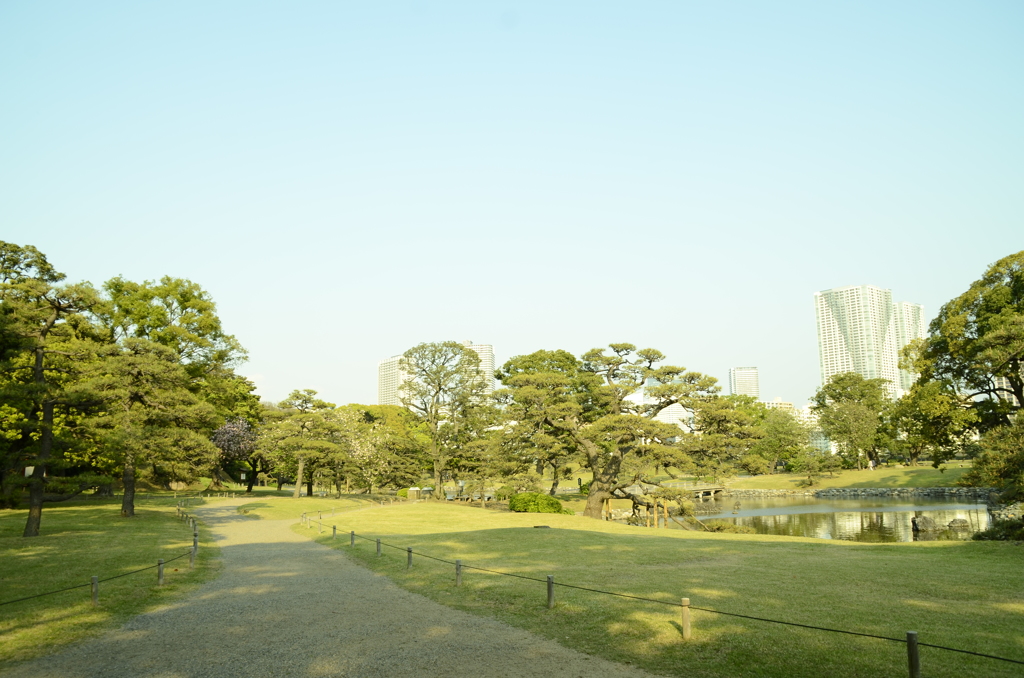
(283, 508)
(961, 594)
(917, 476)
(81, 540)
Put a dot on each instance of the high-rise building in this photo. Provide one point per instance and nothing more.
(861, 330)
(389, 378)
(910, 325)
(743, 381)
(486, 355)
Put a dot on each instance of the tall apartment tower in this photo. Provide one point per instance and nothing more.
(861, 330)
(486, 355)
(389, 378)
(743, 381)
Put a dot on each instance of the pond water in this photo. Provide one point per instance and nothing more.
(875, 519)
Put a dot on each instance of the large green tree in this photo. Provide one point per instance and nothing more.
(849, 409)
(44, 337)
(150, 416)
(589, 408)
(299, 435)
(446, 390)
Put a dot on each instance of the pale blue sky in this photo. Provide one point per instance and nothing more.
(350, 179)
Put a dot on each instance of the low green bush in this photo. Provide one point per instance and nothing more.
(404, 492)
(726, 526)
(1003, 530)
(504, 492)
(534, 502)
(585, 489)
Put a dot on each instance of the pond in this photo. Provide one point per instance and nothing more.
(875, 519)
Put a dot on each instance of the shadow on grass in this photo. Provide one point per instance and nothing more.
(864, 588)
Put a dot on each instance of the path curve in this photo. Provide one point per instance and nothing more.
(287, 606)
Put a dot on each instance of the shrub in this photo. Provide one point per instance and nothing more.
(404, 492)
(585, 489)
(726, 526)
(1003, 530)
(504, 492)
(534, 502)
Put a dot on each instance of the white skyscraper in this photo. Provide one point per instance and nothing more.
(389, 378)
(861, 330)
(743, 381)
(486, 355)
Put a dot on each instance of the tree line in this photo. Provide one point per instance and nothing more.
(135, 381)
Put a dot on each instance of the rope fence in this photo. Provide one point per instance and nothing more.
(95, 581)
(911, 639)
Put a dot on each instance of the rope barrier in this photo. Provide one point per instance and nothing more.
(702, 609)
(81, 586)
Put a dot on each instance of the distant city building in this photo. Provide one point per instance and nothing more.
(486, 355)
(861, 330)
(780, 404)
(819, 440)
(743, 381)
(1006, 392)
(389, 378)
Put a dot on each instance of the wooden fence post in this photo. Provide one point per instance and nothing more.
(686, 619)
(334, 531)
(352, 538)
(160, 572)
(95, 590)
(408, 557)
(551, 591)
(913, 660)
(378, 546)
(458, 573)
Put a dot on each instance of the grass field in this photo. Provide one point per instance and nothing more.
(80, 540)
(967, 595)
(917, 476)
(270, 508)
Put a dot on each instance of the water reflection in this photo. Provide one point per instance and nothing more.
(878, 519)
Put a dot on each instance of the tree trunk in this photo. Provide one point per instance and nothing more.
(309, 486)
(252, 477)
(595, 502)
(438, 468)
(37, 485)
(128, 500)
(298, 479)
(280, 482)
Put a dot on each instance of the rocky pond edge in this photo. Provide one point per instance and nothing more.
(989, 495)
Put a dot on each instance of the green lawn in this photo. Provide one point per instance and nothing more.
(79, 540)
(968, 595)
(282, 508)
(917, 476)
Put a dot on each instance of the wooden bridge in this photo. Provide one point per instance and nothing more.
(701, 491)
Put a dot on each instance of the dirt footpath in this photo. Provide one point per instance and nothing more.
(287, 606)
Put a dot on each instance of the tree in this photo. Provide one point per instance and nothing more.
(849, 409)
(928, 420)
(1001, 462)
(43, 326)
(975, 347)
(783, 437)
(445, 390)
(303, 433)
(583, 407)
(724, 433)
(236, 440)
(149, 417)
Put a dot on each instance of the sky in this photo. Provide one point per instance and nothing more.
(348, 180)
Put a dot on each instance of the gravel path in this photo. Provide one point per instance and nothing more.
(287, 606)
